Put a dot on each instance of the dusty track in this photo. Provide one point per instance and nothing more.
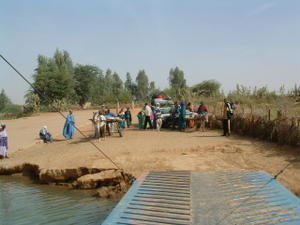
(141, 151)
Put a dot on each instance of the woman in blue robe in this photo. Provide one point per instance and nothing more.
(182, 114)
(69, 128)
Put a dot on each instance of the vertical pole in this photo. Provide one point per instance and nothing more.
(269, 114)
(117, 107)
(279, 115)
(298, 123)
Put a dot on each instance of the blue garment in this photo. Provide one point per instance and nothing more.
(182, 114)
(110, 114)
(69, 128)
(157, 112)
(123, 117)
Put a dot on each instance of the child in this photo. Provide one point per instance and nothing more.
(3, 142)
(128, 117)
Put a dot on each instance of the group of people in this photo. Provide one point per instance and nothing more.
(150, 116)
(68, 130)
(123, 114)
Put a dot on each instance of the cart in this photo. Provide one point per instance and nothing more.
(115, 125)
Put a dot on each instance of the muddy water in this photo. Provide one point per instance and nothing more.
(22, 203)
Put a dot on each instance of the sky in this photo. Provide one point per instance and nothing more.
(249, 42)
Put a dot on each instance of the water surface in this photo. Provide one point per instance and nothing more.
(22, 203)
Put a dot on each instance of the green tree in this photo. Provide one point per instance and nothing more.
(54, 78)
(128, 82)
(177, 82)
(98, 89)
(4, 100)
(142, 85)
(152, 86)
(85, 78)
(130, 86)
(32, 103)
(117, 85)
(207, 88)
(108, 80)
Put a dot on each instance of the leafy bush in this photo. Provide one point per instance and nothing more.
(12, 108)
(58, 105)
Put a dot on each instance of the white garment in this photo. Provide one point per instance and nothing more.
(3, 149)
(148, 110)
(102, 120)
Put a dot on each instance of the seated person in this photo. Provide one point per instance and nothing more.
(45, 135)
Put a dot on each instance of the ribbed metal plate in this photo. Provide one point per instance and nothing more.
(208, 198)
(241, 197)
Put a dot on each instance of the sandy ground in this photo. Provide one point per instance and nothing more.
(24, 132)
(140, 151)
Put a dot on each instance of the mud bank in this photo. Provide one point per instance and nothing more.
(105, 183)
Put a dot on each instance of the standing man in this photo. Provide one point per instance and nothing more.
(227, 114)
(148, 112)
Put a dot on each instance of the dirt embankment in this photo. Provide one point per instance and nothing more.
(141, 151)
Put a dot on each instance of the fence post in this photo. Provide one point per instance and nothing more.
(279, 115)
(269, 114)
(298, 123)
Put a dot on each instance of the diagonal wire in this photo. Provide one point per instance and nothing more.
(47, 98)
(254, 194)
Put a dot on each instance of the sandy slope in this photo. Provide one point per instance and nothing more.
(141, 151)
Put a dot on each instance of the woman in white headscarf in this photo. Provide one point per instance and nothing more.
(3, 141)
(45, 135)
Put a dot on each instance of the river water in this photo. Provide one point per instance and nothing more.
(22, 203)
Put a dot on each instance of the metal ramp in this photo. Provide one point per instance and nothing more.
(206, 198)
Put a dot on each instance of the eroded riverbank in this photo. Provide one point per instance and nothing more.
(105, 183)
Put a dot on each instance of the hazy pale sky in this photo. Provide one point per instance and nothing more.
(251, 42)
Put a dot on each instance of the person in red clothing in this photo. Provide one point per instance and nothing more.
(202, 110)
(203, 116)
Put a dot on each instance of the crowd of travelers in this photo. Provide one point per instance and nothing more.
(149, 117)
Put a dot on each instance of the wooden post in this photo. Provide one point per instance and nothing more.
(279, 115)
(269, 114)
(117, 107)
(298, 124)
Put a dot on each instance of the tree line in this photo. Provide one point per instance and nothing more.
(58, 83)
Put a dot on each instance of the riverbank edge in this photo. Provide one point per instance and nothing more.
(104, 182)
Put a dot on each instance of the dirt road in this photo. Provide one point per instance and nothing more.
(141, 151)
